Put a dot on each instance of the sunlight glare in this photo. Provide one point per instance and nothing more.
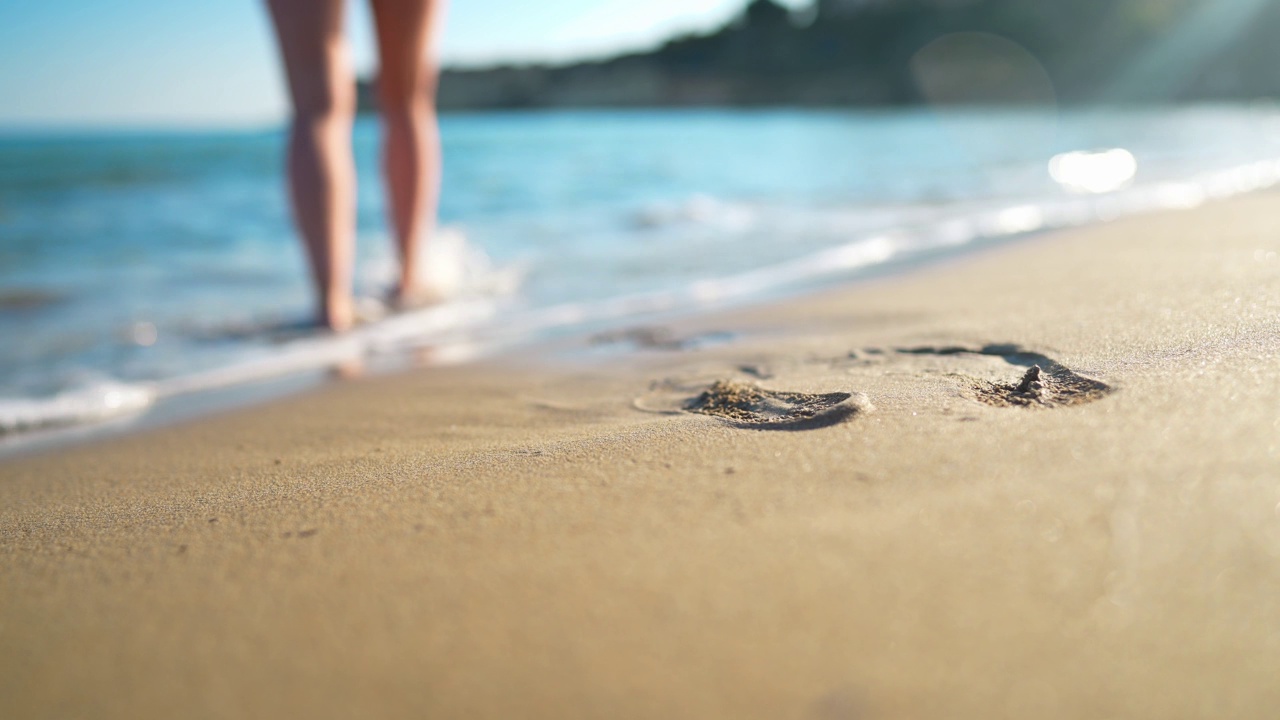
(1094, 172)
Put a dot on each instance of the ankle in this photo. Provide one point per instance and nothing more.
(407, 286)
(337, 313)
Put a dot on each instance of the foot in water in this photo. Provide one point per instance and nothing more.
(342, 314)
(414, 296)
(337, 314)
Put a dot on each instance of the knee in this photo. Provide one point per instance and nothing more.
(326, 103)
(406, 97)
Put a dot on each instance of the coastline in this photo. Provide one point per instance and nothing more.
(520, 537)
(477, 327)
(658, 245)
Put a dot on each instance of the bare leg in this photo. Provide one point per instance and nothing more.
(411, 150)
(321, 169)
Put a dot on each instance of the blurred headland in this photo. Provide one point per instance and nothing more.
(873, 53)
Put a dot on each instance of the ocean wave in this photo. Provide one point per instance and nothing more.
(470, 286)
(95, 402)
(700, 210)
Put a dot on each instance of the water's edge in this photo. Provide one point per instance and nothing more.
(466, 329)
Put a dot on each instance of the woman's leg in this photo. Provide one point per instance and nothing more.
(321, 169)
(411, 150)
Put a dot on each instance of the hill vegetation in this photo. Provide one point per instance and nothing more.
(866, 53)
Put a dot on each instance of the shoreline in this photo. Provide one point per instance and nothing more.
(729, 246)
(554, 539)
(580, 347)
(450, 333)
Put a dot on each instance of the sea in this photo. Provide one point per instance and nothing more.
(142, 268)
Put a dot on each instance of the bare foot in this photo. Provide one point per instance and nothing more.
(416, 296)
(338, 314)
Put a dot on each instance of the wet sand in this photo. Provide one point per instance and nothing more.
(860, 504)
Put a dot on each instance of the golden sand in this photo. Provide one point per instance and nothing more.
(551, 538)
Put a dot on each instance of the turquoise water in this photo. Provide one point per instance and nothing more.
(136, 266)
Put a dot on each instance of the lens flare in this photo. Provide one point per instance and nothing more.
(1094, 172)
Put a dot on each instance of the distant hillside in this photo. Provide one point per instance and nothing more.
(858, 53)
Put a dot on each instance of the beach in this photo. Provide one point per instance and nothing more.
(933, 531)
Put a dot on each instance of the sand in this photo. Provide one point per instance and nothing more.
(886, 514)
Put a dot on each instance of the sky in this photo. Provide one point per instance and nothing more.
(89, 63)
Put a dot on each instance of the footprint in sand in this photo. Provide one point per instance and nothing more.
(1040, 382)
(749, 406)
(1046, 383)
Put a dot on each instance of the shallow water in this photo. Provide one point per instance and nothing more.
(135, 266)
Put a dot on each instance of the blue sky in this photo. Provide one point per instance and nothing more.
(212, 62)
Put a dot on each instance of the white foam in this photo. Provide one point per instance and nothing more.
(94, 402)
(456, 269)
(463, 274)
